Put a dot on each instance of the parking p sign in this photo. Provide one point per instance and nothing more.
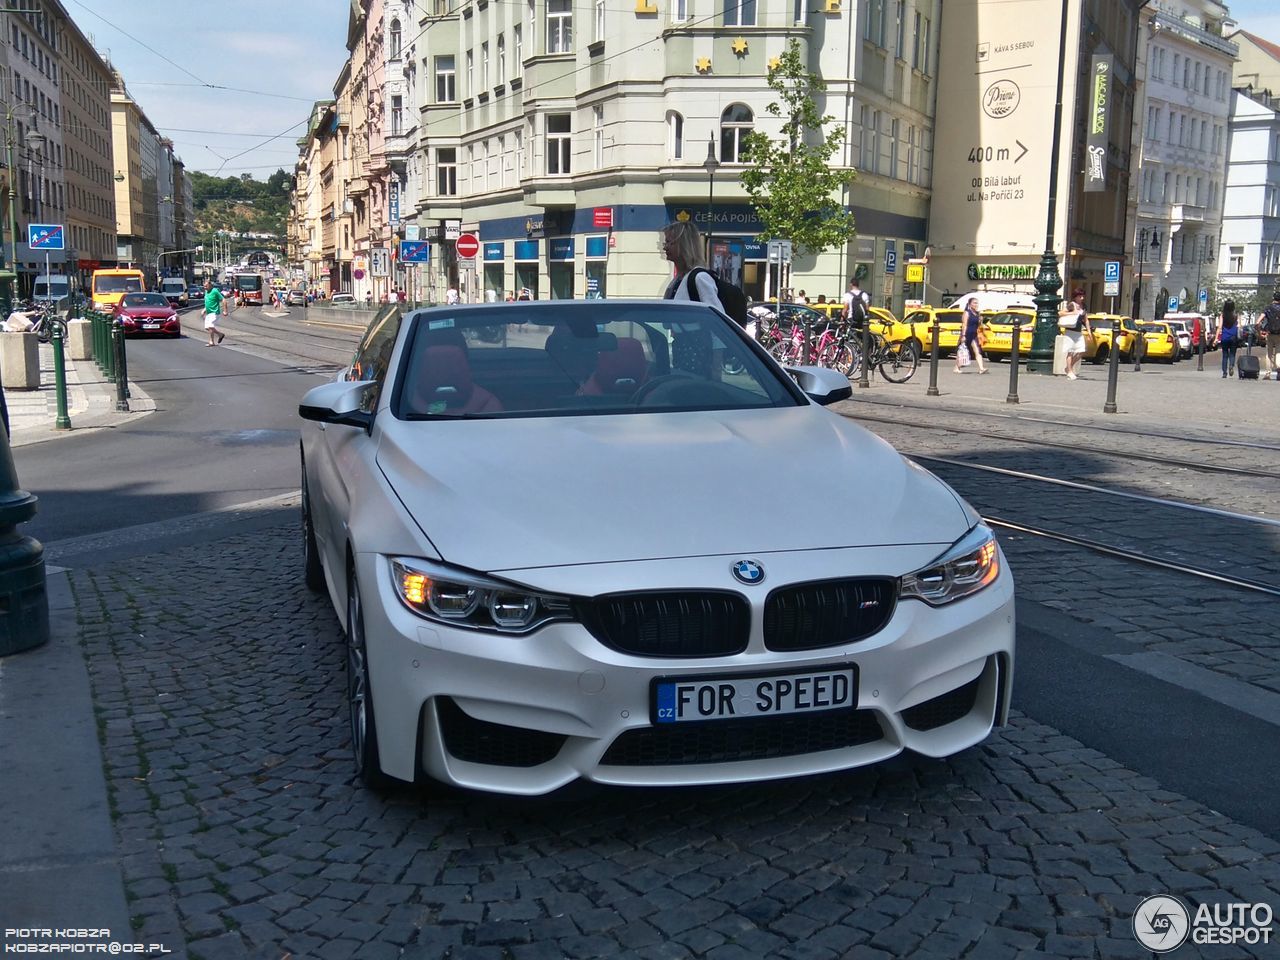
(1111, 279)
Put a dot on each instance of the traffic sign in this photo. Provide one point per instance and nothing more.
(467, 245)
(890, 260)
(45, 236)
(380, 262)
(1173, 304)
(1204, 296)
(1111, 273)
(415, 251)
(1111, 288)
(915, 273)
(780, 250)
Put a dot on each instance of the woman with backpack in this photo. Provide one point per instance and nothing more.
(683, 245)
(1228, 338)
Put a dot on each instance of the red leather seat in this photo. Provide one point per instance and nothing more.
(618, 371)
(445, 378)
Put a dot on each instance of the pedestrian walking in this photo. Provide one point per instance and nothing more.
(451, 295)
(1269, 324)
(1073, 323)
(1228, 338)
(854, 292)
(215, 306)
(972, 326)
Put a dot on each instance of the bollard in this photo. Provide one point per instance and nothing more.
(1113, 368)
(864, 375)
(805, 349)
(109, 342)
(933, 360)
(1200, 353)
(1139, 348)
(1014, 363)
(122, 390)
(24, 602)
(61, 421)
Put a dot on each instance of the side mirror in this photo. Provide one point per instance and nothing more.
(824, 387)
(341, 403)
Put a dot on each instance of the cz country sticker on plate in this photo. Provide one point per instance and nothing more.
(723, 698)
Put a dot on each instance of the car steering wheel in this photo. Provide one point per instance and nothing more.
(679, 388)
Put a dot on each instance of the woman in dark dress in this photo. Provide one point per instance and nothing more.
(1228, 338)
(969, 337)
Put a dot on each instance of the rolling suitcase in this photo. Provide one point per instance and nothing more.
(1247, 366)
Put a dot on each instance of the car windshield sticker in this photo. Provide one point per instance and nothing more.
(440, 324)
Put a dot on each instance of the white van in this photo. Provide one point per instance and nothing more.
(51, 286)
(994, 300)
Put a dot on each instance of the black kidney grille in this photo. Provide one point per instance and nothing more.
(684, 624)
(479, 741)
(749, 738)
(827, 613)
(942, 710)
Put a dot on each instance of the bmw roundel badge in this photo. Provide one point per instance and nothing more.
(748, 571)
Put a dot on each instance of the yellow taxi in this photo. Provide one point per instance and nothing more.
(1101, 323)
(1161, 341)
(917, 326)
(997, 331)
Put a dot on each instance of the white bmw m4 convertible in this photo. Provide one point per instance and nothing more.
(612, 540)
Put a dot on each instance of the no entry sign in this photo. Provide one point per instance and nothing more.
(467, 245)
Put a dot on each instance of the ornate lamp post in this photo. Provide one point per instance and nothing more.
(711, 165)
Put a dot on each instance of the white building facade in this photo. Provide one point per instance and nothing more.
(1249, 258)
(1184, 152)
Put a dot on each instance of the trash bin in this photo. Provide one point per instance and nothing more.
(1060, 345)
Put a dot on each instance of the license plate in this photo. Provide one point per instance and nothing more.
(694, 699)
(151, 326)
(1004, 338)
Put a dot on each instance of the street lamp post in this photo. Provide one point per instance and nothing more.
(1141, 257)
(711, 165)
(1202, 257)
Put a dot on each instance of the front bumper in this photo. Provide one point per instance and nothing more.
(527, 715)
(162, 327)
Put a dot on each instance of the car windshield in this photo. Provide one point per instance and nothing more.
(574, 359)
(116, 284)
(144, 300)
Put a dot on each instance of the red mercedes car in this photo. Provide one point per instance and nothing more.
(148, 313)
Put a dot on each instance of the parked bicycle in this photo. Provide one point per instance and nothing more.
(43, 320)
(896, 361)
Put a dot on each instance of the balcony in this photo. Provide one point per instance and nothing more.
(1189, 31)
(1187, 213)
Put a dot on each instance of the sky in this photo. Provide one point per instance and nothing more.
(279, 56)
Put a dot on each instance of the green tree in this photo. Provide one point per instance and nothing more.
(790, 181)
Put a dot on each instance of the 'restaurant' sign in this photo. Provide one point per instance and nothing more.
(1095, 170)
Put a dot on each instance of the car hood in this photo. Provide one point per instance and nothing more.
(503, 494)
(148, 313)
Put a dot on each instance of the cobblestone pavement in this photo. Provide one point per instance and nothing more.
(221, 710)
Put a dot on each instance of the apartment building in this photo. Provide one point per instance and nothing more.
(33, 134)
(139, 153)
(85, 87)
(1183, 167)
(1249, 257)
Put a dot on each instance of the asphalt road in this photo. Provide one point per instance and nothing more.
(225, 432)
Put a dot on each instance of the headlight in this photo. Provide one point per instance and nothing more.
(970, 564)
(439, 593)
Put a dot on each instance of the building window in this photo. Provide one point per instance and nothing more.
(680, 10)
(675, 136)
(1177, 67)
(739, 13)
(446, 91)
(502, 59)
(900, 39)
(597, 136)
(470, 74)
(517, 33)
(599, 36)
(735, 123)
(394, 39)
(559, 143)
(875, 22)
(397, 116)
(447, 172)
(920, 44)
(484, 65)
(519, 153)
(559, 26)
(893, 150)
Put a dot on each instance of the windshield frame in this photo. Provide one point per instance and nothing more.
(162, 301)
(784, 393)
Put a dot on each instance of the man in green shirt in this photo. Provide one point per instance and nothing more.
(215, 305)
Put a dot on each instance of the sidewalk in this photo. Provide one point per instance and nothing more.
(91, 402)
(1160, 397)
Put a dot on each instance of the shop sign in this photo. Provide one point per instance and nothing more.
(495, 251)
(1002, 271)
(560, 248)
(1095, 168)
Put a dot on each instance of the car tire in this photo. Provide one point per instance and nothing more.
(312, 570)
(1101, 355)
(364, 732)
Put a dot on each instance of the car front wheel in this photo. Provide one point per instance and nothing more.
(364, 734)
(312, 571)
